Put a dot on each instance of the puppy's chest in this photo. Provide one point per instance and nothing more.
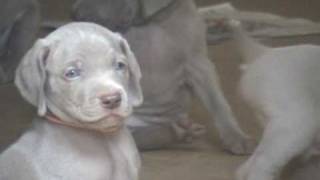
(94, 160)
(76, 165)
(86, 168)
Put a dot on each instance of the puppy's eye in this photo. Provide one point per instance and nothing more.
(72, 73)
(120, 66)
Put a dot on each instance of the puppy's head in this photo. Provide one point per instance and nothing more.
(82, 73)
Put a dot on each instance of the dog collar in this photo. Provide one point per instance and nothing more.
(56, 120)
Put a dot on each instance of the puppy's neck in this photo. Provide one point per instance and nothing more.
(54, 119)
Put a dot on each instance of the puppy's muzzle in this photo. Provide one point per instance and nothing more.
(111, 101)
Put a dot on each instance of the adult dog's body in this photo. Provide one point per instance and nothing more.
(283, 85)
(19, 24)
(170, 46)
(84, 80)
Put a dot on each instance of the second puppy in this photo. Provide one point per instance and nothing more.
(283, 84)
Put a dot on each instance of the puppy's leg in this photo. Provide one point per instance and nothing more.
(204, 80)
(284, 138)
(153, 137)
(161, 135)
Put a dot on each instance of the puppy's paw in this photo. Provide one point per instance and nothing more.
(239, 145)
(187, 130)
(195, 131)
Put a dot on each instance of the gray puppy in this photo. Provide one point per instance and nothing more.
(169, 40)
(282, 85)
(84, 80)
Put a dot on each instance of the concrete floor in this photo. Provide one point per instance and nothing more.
(204, 159)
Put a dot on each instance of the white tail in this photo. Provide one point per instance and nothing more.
(248, 47)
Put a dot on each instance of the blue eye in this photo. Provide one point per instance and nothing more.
(72, 73)
(120, 66)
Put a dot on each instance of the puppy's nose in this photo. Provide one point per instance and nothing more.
(111, 101)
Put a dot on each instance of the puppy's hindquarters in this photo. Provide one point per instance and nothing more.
(282, 83)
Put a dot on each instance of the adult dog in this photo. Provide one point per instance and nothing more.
(283, 85)
(169, 40)
(19, 24)
(84, 80)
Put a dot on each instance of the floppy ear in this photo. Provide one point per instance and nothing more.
(31, 75)
(135, 92)
(150, 7)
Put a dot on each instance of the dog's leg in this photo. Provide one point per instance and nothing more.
(204, 81)
(153, 137)
(283, 139)
(161, 135)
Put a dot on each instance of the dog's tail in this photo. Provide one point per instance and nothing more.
(248, 48)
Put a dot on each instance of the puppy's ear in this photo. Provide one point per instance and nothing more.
(31, 75)
(135, 92)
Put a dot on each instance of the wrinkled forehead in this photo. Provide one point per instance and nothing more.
(91, 48)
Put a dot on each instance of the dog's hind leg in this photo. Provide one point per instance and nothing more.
(284, 138)
(162, 135)
(204, 81)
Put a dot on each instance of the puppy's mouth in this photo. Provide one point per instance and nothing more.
(93, 112)
(108, 124)
(112, 116)
(104, 117)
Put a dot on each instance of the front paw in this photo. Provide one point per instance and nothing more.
(186, 133)
(239, 145)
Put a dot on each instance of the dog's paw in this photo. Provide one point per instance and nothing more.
(195, 131)
(240, 145)
(187, 130)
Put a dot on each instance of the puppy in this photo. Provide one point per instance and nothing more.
(283, 85)
(168, 38)
(84, 81)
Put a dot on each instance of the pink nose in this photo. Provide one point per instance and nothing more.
(111, 101)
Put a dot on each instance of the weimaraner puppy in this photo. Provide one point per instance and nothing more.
(169, 40)
(84, 81)
(283, 85)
